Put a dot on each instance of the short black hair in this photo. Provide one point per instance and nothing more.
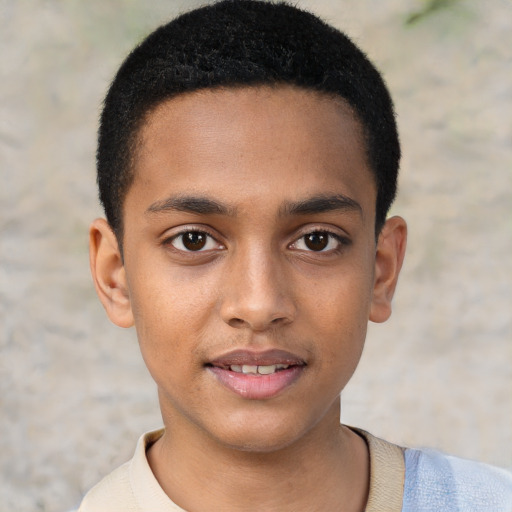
(234, 43)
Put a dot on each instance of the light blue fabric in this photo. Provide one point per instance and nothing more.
(435, 482)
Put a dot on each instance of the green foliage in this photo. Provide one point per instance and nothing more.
(430, 7)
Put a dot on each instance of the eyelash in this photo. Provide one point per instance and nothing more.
(341, 241)
(181, 234)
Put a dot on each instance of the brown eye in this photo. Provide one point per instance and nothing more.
(317, 241)
(194, 241)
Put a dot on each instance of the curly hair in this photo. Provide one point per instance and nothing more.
(234, 43)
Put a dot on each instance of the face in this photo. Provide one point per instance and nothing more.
(250, 266)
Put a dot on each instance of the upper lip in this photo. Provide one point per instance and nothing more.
(257, 358)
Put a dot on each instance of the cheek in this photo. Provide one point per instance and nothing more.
(339, 311)
(171, 312)
(342, 300)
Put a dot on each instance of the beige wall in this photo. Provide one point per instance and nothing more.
(438, 374)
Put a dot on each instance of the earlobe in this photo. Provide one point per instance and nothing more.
(108, 273)
(388, 262)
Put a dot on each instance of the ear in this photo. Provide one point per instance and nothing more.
(388, 262)
(108, 273)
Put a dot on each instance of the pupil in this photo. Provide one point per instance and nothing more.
(317, 241)
(194, 241)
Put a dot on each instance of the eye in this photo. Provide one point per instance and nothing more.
(318, 241)
(194, 241)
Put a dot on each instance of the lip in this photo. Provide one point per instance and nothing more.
(257, 387)
(258, 358)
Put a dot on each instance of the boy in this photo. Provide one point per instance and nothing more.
(247, 159)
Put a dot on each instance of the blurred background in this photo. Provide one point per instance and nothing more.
(74, 393)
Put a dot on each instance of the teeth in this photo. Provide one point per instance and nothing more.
(255, 370)
(267, 370)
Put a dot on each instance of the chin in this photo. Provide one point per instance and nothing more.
(261, 435)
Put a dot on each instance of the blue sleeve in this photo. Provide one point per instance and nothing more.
(435, 482)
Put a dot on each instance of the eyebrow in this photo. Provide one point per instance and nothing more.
(191, 204)
(206, 206)
(321, 204)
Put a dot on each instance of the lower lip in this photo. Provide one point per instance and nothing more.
(257, 387)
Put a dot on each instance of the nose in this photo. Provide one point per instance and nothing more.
(257, 294)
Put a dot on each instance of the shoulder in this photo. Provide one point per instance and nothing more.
(112, 494)
(434, 481)
(130, 488)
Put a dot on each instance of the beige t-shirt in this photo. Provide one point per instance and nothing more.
(133, 488)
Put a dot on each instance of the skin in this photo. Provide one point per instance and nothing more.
(258, 153)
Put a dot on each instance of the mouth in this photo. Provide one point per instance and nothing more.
(249, 369)
(257, 375)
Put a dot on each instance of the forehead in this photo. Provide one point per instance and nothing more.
(272, 106)
(237, 140)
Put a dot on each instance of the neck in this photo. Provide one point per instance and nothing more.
(326, 469)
